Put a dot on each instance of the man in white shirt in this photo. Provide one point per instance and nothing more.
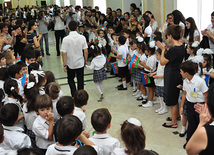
(72, 56)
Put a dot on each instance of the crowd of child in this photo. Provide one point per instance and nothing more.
(36, 117)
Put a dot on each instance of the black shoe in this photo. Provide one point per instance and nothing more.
(58, 54)
(120, 80)
(140, 98)
(170, 119)
(119, 86)
(144, 101)
(182, 134)
(122, 88)
(48, 54)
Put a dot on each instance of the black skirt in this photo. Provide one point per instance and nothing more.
(152, 83)
(100, 75)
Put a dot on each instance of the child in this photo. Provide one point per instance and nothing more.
(92, 36)
(23, 68)
(4, 75)
(97, 64)
(85, 150)
(33, 66)
(2, 60)
(101, 122)
(12, 90)
(52, 90)
(121, 54)
(194, 91)
(30, 57)
(150, 66)
(68, 131)
(14, 138)
(192, 48)
(81, 99)
(64, 106)
(159, 82)
(133, 136)
(40, 79)
(10, 58)
(30, 93)
(43, 124)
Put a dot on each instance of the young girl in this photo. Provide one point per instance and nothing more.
(30, 93)
(159, 82)
(103, 41)
(40, 79)
(146, 30)
(4, 75)
(53, 90)
(97, 64)
(43, 124)
(2, 60)
(133, 136)
(194, 91)
(192, 49)
(12, 90)
(150, 67)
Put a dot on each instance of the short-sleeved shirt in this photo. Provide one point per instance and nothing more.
(197, 85)
(122, 50)
(154, 26)
(29, 117)
(160, 71)
(195, 34)
(151, 62)
(148, 31)
(30, 37)
(59, 25)
(73, 44)
(54, 149)
(211, 28)
(81, 115)
(119, 151)
(43, 28)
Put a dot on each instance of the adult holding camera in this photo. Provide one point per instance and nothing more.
(43, 28)
(58, 28)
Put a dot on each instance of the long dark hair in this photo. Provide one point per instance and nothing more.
(192, 29)
(147, 21)
(178, 17)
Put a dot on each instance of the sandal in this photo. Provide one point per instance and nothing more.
(170, 119)
(170, 126)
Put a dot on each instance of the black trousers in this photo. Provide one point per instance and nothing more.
(71, 73)
(59, 34)
(193, 119)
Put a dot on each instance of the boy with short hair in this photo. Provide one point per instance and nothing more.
(14, 139)
(101, 122)
(122, 67)
(81, 99)
(68, 131)
(30, 57)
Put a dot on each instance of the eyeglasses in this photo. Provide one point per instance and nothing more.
(170, 18)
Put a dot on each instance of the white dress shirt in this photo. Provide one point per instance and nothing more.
(122, 50)
(119, 151)
(59, 25)
(73, 44)
(81, 115)
(54, 149)
(97, 63)
(29, 117)
(160, 71)
(151, 62)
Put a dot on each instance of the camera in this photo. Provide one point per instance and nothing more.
(56, 12)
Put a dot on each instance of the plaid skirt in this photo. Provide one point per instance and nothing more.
(159, 90)
(136, 75)
(32, 137)
(100, 75)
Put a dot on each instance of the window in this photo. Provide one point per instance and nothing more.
(66, 2)
(79, 2)
(198, 9)
(101, 4)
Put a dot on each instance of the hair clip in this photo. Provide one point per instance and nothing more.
(36, 73)
(12, 88)
(195, 44)
(152, 44)
(207, 51)
(134, 121)
(200, 51)
(92, 46)
(139, 39)
(30, 85)
(198, 59)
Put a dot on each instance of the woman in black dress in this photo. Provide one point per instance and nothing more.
(172, 78)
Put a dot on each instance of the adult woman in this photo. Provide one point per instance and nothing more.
(169, 21)
(172, 78)
(109, 15)
(146, 30)
(31, 35)
(138, 14)
(114, 19)
(153, 22)
(191, 32)
(97, 18)
(202, 140)
(179, 19)
(132, 7)
(126, 17)
(133, 23)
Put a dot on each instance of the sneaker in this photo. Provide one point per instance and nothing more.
(122, 88)
(144, 101)
(148, 104)
(158, 110)
(135, 93)
(140, 98)
(163, 111)
(138, 95)
(134, 90)
(156, 101)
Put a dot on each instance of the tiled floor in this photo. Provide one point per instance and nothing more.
(122, 105)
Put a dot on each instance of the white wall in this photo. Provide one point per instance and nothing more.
(126, 4)
(114, 4)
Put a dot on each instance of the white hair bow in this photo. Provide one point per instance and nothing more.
(30, 85)
(195, 44)
(134, 121)
(198, 59)
(36, 73)
(207, 51)
(200, 51)
(152, 44)
(139, 39)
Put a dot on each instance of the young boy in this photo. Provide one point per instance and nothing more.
(101, 122)
(194, 91)
(43, 124)
(2, 60)
(24, 70)
(14, 138)
(121, 54)
(92, 35)
(80, 99)
(64, 106)
(68, 131)
(30, 57)
(15, 72)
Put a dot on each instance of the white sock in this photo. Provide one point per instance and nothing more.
(183, 129)
(98, 88)
(124, 84)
